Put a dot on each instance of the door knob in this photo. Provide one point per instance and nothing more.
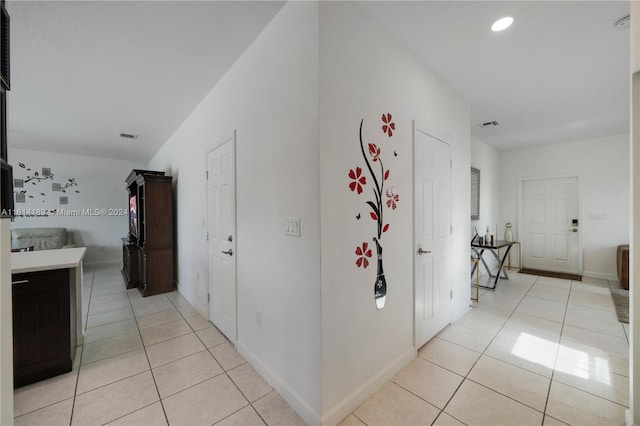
(229, 252)
(420, 251)
(573, 230)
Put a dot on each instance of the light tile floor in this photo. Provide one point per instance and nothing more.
(150, 361)
(536, 351)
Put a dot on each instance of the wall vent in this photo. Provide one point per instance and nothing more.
(489, 124)
(128, 136)
(623, 22)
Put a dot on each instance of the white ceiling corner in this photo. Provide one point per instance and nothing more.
(83, 72)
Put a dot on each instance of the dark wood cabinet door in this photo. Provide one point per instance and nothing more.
(41, 325)
(155, 255)
(130, 261)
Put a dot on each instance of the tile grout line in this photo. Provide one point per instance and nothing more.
(144, 347)
(553, 369)
(557, 355)
(160, 398)
(75, 389)
(466, 377)
(555, 361)
(224, 371)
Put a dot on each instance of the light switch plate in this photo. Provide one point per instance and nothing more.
(292, 226)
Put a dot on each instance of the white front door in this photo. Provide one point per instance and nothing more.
(222, 237)
(432, 233)
(550, 227)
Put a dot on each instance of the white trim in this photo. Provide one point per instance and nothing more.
(202, 310)
(103, 263)
(352, 401)
(600, 275)
(628, 421)
(297, 402)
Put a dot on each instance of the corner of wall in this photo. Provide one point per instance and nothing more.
(359, 395)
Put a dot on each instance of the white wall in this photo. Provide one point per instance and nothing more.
(486, 159)
(270, 97)
(603, 167)
(364, 73)
(101, 185)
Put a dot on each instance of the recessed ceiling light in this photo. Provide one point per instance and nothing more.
(502, 24)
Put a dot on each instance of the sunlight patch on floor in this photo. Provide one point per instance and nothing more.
(529, 347)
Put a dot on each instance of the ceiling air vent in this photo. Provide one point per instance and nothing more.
(128, 136)
(623, 22)
(488, 124)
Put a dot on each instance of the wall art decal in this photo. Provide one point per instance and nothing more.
(35, 177)
(358, 182)
(388, 126)
(70, 182)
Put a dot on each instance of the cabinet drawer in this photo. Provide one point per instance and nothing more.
(41, 325)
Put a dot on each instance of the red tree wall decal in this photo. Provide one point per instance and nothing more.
(357, 184)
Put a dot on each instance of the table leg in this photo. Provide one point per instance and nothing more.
(475, 266)
(502, 268)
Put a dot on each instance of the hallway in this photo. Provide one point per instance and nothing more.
(150, 361)
(536, 351)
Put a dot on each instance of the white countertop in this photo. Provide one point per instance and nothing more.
(44, 260)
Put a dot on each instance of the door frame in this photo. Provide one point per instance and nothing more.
(231, 138)
(441, 136)
(520, 214)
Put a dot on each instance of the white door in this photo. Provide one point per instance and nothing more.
(550, 227)
(433, 233)
(222, 237)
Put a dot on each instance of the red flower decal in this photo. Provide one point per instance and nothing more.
(374, 151)
(386, 228)
(386, 175)
(388, 126)
(393, 198)
(362, 253)
(358, 180)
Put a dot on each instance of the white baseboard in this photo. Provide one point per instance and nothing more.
(628, 420)
(600, 275)
(102, 263)
(352, 401)
(308, 414)
(197, 303)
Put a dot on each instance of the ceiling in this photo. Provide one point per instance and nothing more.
(84, 72)
(560, 73)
